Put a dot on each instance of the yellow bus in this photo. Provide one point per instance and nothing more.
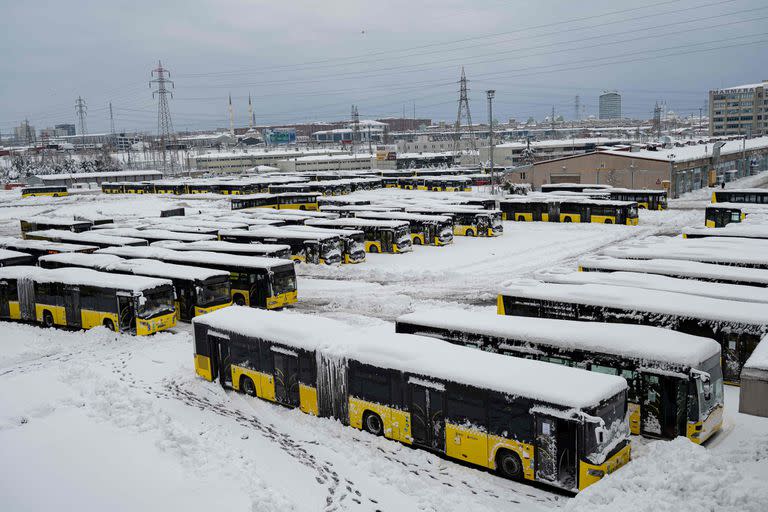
(52, 191)
(527, 420)
(381, 236)
(197, 290)
(467, 221)
(82, 299)
(675, 380)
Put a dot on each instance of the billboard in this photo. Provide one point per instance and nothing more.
(278, 136)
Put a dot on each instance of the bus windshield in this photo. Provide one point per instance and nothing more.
(445, 234)
(403, 237)
(155, 302)
(214, 293)
(284, 282)
(600, 438)
(633, 211)
(331, 251)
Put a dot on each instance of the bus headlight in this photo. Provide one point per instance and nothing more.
(598, 473)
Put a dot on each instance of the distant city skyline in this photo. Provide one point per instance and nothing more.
(305, 61)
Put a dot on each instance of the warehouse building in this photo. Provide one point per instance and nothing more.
(93, 179)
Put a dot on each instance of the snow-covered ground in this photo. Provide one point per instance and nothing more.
(100, 421)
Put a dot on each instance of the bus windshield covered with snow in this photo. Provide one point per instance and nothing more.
(467, 221)
(675, 380)
(317, 248)
(550, 424)
(390, 236)
(425, 229)
(82, 299)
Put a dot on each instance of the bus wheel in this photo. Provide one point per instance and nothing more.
(246, 384)
(109, 324)
(508, 464)
(55, 195)
(302, 207)
(417, 241)
(469, 232)
(372, 424)
(239, 300)
(520, 218)
(47, 319)
(608, 221)
(373, 249)
(567, 219)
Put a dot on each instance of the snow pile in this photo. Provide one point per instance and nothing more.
(675, 476)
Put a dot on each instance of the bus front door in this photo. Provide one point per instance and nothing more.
(387, 237)
(555, 451)
(427, 417)
(72, 306)
(5, 310)
(126, 314)
(286, 377)
(661, 406)
(483, 225)
(311, 252)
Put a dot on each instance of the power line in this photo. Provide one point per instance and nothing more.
(81, 110)
(464, 113)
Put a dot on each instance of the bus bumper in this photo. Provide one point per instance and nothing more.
(157, 324)
(702, 430)
(591, 473)
(282, 300)
(201, 311)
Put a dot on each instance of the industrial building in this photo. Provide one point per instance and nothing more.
(610, 105)
(678, 169)
(240, 162)
(740, 110)
(336, 162)
(366, 130)
(93, 179)
(509, 154)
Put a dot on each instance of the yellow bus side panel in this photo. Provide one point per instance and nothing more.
(58, 312)
(267, 388)
(619, 459)
(500, 305)
(714, 198)
(633, 411)
(419, 237)
(709, 223)
(90, 319)
(573, 216)
(523, 450)
(246, 295)
(633, 222)
(282, 300)
(467, 444)
(201, 311)
(523, 217)
(601, 219)
(368, 246)
(14, 310)
(308, 399)
(203, 367)
(397, 423)
(544, 217)
(257, 378)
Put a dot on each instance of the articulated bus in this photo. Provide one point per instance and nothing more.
(446, 184)
(88, 238)
(559, 209)
(645, 199)
(265, 250)
(283, 201)
(675, 380)
(467, 221)
(737, 326)
(735, 252)
(472, 202)
(289, 217)
(141, 187)
(155, 235)
(744, 195)
(37, 248)
(425, 229)
(44, 223)
(51, 191)
(734, 232)
(201, 222)
(341, 201)
(291, 188)
(254, 201)
(351, 210)
(353, 241)
(316, 248)
(706, 272)
(256, 282)
(115, 187)
(10, 258)
(176, 188)
(82, 299)
(527, 420)
(381, 236)
(197, 290)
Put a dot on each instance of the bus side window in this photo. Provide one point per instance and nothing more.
(509, 417)
(265, 356)
(604, 369)
(634, 386)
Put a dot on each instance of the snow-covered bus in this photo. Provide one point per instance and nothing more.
(51, 191)
(467, 221)
(82, 299)
(675, 380)
(737, 326)
(252, 249)
(560, 209)
(10, 258)
(527, 420)
(425, 229)
(316, 248)
(707, 272)
(197, 290)
(40, 223)
(39, 248)
(256, 282)
(156, 235)
(352, 241)
(742, 195)
(96, 238)
(735, 231)
(381, 236)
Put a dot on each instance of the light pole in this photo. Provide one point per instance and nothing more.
(491, 93)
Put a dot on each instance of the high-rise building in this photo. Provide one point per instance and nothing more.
(740, 110)
(65, 129)
(25, 133)
(610, 105)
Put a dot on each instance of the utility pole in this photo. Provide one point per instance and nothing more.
(370, 147)
(355, 129)
(81, 109)
(250, 113)
(657, 120)
(161, 78)
(552, 119)
(577, 108)
(701, 118)
(491, 93)
(231, 118)
(464, 113)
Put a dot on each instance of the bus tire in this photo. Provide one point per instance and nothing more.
(416, 240)
(372, 423)
(47, 319)
(55, 195)
(608, 221)
(509, 465)
(247, 386)
(302, 207)
(109, 324)
(520, 218)
(469, 232)
(373, 249)
(239, 299)
(567, 219)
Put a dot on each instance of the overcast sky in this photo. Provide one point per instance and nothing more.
(311, 60)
